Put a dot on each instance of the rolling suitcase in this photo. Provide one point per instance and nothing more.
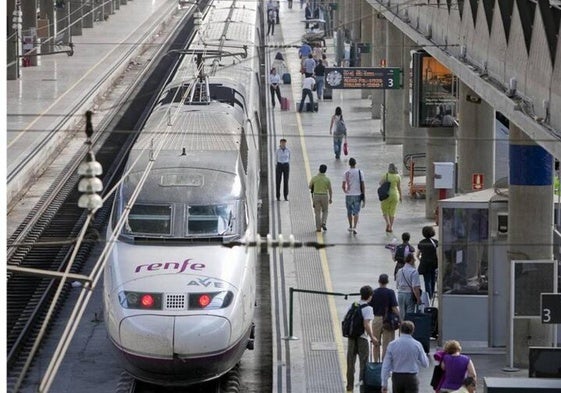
(433, 312)
(286, 78)
(372, 381)
(285, 104)
(422, 330)
(309, 107)
(327, 93)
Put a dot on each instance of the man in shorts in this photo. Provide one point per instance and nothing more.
(353, 187)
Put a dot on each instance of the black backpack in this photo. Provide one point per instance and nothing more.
(399, 255)
(353, 324)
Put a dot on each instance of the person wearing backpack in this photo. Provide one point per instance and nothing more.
(339, 131)
(357, 327)
(401, 251)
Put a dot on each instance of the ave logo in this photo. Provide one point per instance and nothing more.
(206, 282)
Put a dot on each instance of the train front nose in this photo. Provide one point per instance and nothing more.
(174, 336)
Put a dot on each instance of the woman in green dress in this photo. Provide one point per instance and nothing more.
(389, 205)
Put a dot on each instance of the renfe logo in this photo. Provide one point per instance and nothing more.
(179, 266)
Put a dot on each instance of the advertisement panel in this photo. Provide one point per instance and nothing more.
(434, 93)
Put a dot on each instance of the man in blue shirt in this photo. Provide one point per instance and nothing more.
(403, 358)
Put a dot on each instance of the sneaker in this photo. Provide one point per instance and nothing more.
(324, 227)
(350, 229)
(354, 231)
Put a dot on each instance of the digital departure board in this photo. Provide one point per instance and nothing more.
(363, 78)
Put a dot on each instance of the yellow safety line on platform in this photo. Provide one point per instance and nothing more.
(324, 265)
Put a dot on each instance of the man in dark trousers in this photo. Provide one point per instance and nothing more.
(283, 168)
(360, 346)
(402, 360)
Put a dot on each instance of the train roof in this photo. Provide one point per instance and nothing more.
(215, 127)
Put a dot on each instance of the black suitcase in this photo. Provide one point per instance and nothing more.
(327, 93)
(433, 312)
(309, 107)
(422, 330)
(286, 79)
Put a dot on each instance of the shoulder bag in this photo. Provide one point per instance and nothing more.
(384, 190)
(391, 320)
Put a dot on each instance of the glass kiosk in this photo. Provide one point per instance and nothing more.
(473, 269)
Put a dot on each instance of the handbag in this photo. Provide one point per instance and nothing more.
(384, 190)
(437, 375)
(391, 321)
(361, 189)
(345, 148)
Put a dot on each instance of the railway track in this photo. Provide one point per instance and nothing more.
(45, 240)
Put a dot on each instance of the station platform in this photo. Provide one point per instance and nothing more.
(46, 106)
(309, 352)
(311, 357)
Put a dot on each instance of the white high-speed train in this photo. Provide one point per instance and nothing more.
(179, 306)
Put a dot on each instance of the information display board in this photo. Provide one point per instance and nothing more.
(551, 308)
(363, 78)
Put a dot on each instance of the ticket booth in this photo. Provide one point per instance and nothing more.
(473, 269)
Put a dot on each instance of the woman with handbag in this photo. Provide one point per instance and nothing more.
(389, 204)
(455, 366)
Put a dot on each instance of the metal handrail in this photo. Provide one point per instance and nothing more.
(291, 307)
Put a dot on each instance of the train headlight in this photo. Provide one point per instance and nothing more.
(141, 300)
(210, 300)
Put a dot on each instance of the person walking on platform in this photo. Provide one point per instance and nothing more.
(274, 85)
(359, 346)
(353, 187)
(383, 300)
(308, 65)
(283, 168)
(307, 87)
(404, 357)
(426, 251)
(304, 51)
(271, 19)
(455, 366)
(322, 196)
(308, 13)
(339, 131)
(319, 73)
(408, 286)
(401, 251)
(389, 205)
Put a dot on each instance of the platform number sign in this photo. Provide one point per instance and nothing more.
(551, 308)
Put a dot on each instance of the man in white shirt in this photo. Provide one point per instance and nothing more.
(307, 86)
(282, 169)
(353, 187)
(403, 358)
(359, 346)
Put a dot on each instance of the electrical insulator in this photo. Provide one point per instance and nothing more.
(89, 169)
(89, 184)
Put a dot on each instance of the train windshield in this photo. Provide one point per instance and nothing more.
(211, 219)
(150, 219)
